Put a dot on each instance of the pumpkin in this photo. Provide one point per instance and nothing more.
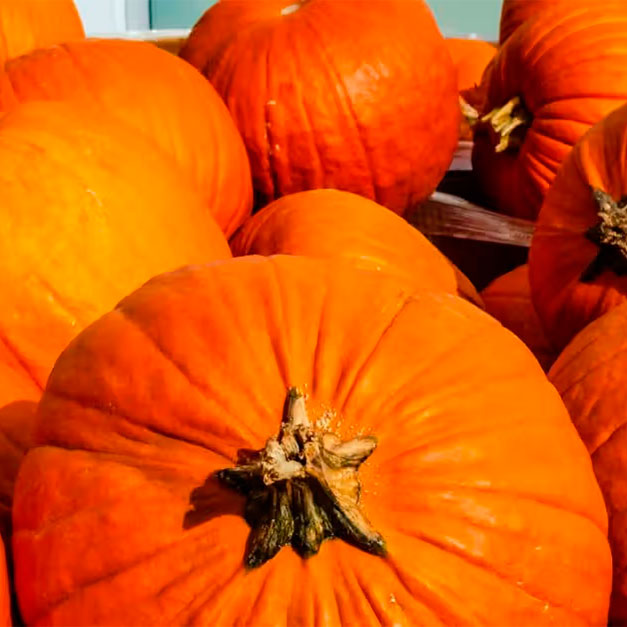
(5, 595)
(514, 13)
(375, 113)
(578, 255)
(590, 376)
(154, 92)
(554, 78)
(86, 216)
(29, 24)
(508, 299)
(328, 224)
(470, 57)
(200, 447)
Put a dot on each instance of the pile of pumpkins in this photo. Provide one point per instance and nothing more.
(237, 387)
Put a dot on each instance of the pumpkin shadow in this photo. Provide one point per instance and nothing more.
(212, 500)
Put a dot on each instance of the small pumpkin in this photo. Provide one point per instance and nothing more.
(578, 255)
(318, 108)
(330, 224)
(508, 299)
(29, 24)
(154, 92)
(514, 13)
(591, 377)
(554, 78)
(391, 485)
(5, 594)
(471, 58)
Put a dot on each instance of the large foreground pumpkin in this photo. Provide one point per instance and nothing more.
(591, 375)
(154, 92)
(121, 519)
(578, 256)
(508, 299)
(556, 76)
(29, 24)
(358, 96)
(328, 223)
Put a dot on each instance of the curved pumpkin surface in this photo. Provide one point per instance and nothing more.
(318, 110)
(192, 370)
(508, 299)
(154, 92)
(87, 216)
(553, 79)
(577, 275)
(330, 224)
(590, 376)
(5, 595)
(29, 24)
(471, 58)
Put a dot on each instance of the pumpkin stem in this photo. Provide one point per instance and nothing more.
(610, 235)
(503, 121)
(302, 488)
(470, 114)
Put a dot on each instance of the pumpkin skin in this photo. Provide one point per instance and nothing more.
(471, 58)
(5, 596)
(29, 24)
(155, 396)
(590, 375)
(86, 208)
(508, 299)
(560, 251)
(154, 92)
(330, 224)
(567, 67)
(317, 111)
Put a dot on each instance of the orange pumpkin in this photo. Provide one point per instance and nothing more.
(400, 417)
(320, 109)
(5, 595)
(578, 256)
(29, 24)
(154, 92)
(471, 58)
(329, 224)
(514, 13)
(556, 76)
(86, 216)
(591, 377)
(508, 299)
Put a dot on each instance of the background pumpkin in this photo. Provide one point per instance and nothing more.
(86, 216)
(375, 114)
(328, 224)
(508, 299)
(29, 24)
(566, 68)
(157, 395)
(470, 57)
(154, 92)
(590, 376)
(574, 279)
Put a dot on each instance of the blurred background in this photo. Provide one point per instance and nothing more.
(462, 18)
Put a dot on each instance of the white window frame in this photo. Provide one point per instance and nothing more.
(114, 17)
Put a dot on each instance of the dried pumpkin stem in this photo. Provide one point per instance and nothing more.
(303, 488)
(471, 115)
(509, 123)
(610, 235)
